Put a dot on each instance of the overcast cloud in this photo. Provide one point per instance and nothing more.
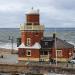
(54, 13)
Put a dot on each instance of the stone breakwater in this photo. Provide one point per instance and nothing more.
(41, 69)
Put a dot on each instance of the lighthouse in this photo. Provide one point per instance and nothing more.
(31, 35)
(36, 47)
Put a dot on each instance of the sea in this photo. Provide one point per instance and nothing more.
(67, 34)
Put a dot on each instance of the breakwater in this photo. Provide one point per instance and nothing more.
(41, 69)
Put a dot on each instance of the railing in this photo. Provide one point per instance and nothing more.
(31, 27)
(44, 56)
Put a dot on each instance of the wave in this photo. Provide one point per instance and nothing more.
(8, 45)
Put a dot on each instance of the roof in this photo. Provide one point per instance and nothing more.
(62, 44)
(47, 38)
(35, 46)
(46, 43)
(22, 46)
(32, 11)
(49, 42)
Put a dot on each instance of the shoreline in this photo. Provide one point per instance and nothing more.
(7, 51)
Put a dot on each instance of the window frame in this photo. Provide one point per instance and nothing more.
(46, 43)
(59, 53)
(27, 54)
(28, 41)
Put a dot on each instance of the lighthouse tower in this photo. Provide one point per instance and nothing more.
(31, 35)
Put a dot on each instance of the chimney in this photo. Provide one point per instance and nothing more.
(54, 35)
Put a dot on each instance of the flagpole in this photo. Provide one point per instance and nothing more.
(55, 47)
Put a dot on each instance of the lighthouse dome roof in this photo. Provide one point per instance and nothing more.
(32, 11)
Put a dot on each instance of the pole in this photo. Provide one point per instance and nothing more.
(11, 38)
(55, 47)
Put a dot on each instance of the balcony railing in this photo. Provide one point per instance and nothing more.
(31, 27)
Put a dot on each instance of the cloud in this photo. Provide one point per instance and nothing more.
(61, 14)
(10, 6)
(54, 13)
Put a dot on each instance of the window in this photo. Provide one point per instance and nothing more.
(59, 53)
(28, 52)
(45, 53)
(46, 43)
(28, 41)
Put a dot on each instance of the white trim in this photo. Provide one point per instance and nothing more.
(35, 46)
(27, 52)
(58, 55)
(22, 46)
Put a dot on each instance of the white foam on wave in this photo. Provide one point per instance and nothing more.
(8, 45)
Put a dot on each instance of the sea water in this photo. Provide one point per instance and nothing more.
(67, 34)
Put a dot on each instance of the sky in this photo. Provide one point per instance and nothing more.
(53, 13)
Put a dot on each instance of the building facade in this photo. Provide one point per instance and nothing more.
(35, 47)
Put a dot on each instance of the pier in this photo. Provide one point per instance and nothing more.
(41, 69)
